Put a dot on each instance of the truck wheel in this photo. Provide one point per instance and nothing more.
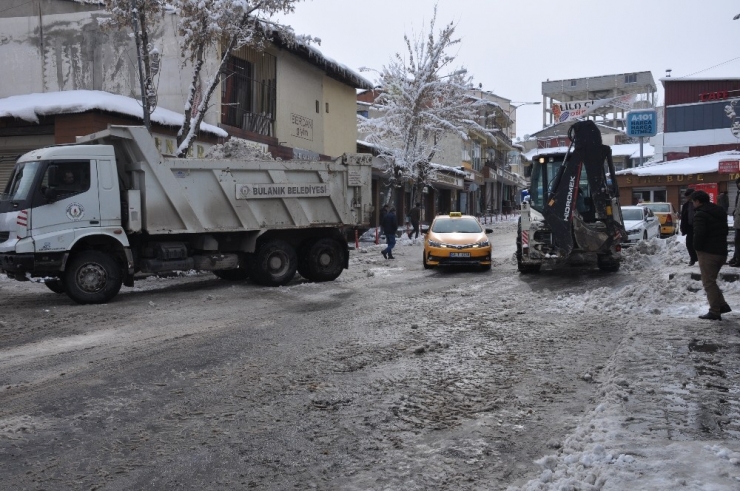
(92, 277)
(274, 264)
(55, 285)
(240, 274)
(608, 264)
(325, 260)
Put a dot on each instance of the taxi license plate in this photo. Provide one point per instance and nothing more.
(459, 254)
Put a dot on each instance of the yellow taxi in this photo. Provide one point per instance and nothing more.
(457, 240)
(666, 215)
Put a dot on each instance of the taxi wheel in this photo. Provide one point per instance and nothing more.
(424, 258)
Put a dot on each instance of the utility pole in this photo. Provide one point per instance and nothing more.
(140, 62)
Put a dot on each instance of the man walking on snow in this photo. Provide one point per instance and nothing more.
(390, 226)
(710, 242)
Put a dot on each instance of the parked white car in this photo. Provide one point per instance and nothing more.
(640, 223)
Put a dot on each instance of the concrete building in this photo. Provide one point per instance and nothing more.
(575, 90)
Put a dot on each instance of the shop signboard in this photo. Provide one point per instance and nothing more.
(729, 166)
(710, 188)
(642, 123)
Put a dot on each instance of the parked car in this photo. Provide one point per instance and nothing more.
(667, 216)
(640, 223)
(457, 240)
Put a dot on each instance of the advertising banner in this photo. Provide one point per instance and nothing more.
(572, 110)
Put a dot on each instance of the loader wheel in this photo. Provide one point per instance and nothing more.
(325, 260)
(92, 277)
(274, 264)
(607, 263)
(55, 285)
(521, 266)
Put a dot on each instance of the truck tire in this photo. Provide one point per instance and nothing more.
(325, 260)
(92, 277)
(607, 263)
(274, 264)
(55, 285)
(240, 274)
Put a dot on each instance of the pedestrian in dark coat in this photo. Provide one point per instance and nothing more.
(390, 226)
(383, 212)
(735, 261)
(724, 201)
(687, 225)
(415, 216)
(710, 242)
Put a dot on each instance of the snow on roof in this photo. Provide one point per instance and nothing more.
(29, 107)
(691, 165)
(631, 150)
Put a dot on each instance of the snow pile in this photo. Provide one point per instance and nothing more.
(655, 254)
(237, 148)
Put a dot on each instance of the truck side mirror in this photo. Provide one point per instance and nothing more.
(50, 194)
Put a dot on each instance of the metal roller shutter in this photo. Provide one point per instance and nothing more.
(731, 193)
(7, 161)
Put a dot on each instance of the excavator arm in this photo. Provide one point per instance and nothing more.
(597, 226)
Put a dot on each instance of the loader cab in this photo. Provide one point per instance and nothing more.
(544, 169)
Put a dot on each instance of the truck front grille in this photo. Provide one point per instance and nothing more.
(4, 236)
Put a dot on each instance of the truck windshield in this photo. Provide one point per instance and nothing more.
(544, 169)
(21, 181)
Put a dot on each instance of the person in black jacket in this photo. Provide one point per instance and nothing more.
(710, 242)
(687, 225)
(390, 226)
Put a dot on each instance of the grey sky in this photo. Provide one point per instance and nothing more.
(511, 47)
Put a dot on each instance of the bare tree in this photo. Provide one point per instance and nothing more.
(421, 98)
(140, 16)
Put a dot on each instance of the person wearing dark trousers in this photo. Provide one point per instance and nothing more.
(415, 216)
(735, 261)
(710, 241)
(687, 225)
(724, 201)
(390, 226)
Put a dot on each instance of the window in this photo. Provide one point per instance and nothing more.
(327, 108)
(318, 105)
(630, 78)
(695, 117)
(364, 114)
(67, 179)
(248, 91)
(466, 151)
(573, 83)
(476, 155)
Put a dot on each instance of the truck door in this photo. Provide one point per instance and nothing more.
(70, 191)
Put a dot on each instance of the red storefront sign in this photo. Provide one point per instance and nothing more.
(729, 166)
(713, 96)
(709, 188)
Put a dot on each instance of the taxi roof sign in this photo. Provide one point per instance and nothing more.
(455, 214)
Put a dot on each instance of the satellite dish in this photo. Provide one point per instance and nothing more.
(526, 138)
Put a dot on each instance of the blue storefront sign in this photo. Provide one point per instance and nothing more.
(642, 123)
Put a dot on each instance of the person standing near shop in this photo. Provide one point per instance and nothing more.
(735, 261)
(724, 201)
(710, 242)
(415, 216)
(687, 225)
(390, 226)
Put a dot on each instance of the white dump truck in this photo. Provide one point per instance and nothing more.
(85, 217)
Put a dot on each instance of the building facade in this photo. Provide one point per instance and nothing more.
(288, 99)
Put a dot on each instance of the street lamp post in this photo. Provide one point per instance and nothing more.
(512, 111)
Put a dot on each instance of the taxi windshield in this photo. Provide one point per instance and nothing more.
(456, 226)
